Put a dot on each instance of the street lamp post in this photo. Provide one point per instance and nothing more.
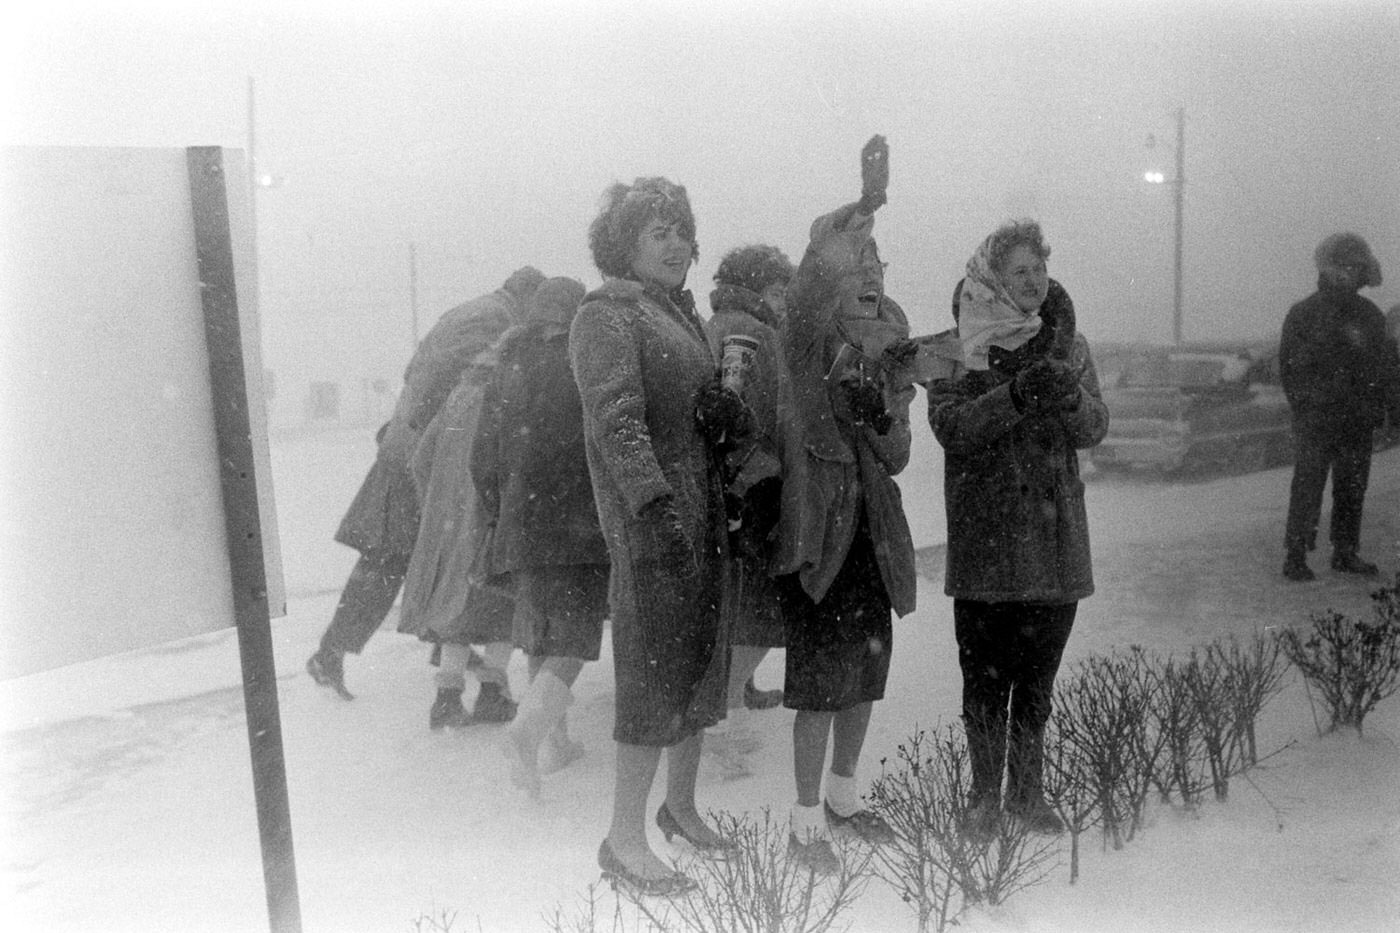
(1178, 183)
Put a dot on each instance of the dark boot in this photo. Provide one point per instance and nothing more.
(1350, 562)
(448, 711)
(1295, 567)
(327, 668)
(1025, 791)
(492, 705)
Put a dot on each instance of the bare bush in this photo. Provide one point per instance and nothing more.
(1103, 713)
(1254, 675)
(1182, 765)
(924, 797)
(1354, 664)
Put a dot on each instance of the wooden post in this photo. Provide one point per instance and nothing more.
(243, 530)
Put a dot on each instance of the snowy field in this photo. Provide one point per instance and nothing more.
(127, 798)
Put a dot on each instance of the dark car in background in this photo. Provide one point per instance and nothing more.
(1195, 407)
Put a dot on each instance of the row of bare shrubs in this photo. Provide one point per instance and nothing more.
(1128, 729)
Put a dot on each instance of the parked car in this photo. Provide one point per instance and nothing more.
(1187, 408)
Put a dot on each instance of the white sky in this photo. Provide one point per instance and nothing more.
(484, 133)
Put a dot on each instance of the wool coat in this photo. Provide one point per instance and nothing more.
(528, 460)
(1017, 527)
(639, 358)
(385, 511)
(753, 468)
(1339, 369)
(835, 468)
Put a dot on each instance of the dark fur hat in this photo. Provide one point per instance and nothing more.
(754, 267)
(1348, 250)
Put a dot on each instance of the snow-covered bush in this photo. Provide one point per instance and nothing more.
(936, 864)
(1354, 664)
(1181, 766)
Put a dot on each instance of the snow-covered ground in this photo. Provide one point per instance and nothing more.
(128, 800)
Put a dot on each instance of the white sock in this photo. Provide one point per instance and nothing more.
(841, 794)
(807, 823)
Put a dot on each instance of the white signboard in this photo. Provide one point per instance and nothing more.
(112, 519)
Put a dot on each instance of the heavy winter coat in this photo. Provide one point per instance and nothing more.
(1338, 368)
(753, 469)
(834, 466)
(528, 460)
(385, 512)
(1017, 527)
(639, 358)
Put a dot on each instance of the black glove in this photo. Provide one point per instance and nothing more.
(867, 403)
(721, 414)
(874, 173)
(1044, 386)
(664, 537)
(900, 353)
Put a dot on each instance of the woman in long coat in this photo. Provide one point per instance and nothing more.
(528, 463)
(846, 559)
(641, 361)
(1010, 419)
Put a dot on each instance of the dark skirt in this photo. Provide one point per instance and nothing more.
(838, 650)
(757, 615)
(559, 610)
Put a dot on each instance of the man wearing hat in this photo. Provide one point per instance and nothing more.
(1341, 376)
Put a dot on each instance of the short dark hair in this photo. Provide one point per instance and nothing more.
(754, 267)
(627, 209)
(1012, 234)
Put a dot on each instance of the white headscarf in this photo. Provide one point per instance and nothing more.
(987, 317)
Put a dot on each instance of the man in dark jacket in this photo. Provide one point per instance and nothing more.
(1341, 376)
(382, 521)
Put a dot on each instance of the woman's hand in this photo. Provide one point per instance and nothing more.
(721, 415)
(1045, 386)
(874, 173)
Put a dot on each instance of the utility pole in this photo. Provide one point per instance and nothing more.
(1180, 183)
(253, 182)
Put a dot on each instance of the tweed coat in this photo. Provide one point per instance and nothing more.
(639, 357)
(1017, 527)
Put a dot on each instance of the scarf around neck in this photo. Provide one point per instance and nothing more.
(987, 316)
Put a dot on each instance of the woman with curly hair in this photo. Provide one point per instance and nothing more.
(652, 416)
(749, 301)
(1010, 418)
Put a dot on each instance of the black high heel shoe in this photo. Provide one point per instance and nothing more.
(614, 872)
(670, 826)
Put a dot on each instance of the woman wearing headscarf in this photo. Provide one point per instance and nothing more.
(652, 413)
(529, 467)
(1011, 417)
(846, 559)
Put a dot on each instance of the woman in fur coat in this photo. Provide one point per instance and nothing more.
(643, 367)
(1010, 418)
(529, 467)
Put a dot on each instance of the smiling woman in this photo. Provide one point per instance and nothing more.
(641, 358)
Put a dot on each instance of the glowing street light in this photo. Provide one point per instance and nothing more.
(1178, 183)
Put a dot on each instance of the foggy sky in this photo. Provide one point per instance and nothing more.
(484, 134)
